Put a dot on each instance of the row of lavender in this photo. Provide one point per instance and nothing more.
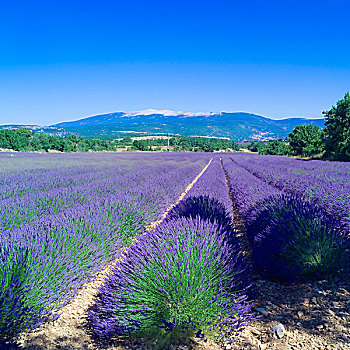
(290, 237)
(11, 163)
(52, 241)
(327, 184)
(187, 277)
(29, 195)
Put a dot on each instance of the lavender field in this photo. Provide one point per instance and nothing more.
(182, 261)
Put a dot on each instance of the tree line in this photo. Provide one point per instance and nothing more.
(330, 143)
(188, 144)
(25, 140)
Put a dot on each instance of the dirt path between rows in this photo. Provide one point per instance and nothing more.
(69, 331)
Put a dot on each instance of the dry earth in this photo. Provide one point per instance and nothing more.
(315, 316)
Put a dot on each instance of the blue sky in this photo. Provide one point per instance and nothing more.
(64, 60)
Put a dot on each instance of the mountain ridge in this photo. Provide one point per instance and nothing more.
(233, 125)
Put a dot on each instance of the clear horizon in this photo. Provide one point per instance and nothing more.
(64, 60)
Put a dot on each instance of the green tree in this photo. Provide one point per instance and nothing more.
(141, 145)
(235, 146)
(8, 139)
(23, 138)
(337, 130)
(35, 144)
(306, 140)
(256, 146)
(126, 140)
(44, 141)
(57, 143)
(275, 147)
(84, 145)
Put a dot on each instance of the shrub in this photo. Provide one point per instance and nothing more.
(53, 258)
(178, 280)
(16, 313)
(205, 207)
(211, 209)
(293, 239)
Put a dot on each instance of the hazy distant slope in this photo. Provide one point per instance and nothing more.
(237, 126)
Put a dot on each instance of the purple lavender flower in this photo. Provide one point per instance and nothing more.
(292, 239)
(178, 278)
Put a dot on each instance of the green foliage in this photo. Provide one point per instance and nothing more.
(24, 140)
(183, 143)
(196, 304)
(202, 144)
(235, 146)
(127, 140)
(337, 130)
(8, 139)
(275, 147)
(17, 140)
(306, 140)
(256, 146)
(141, 145)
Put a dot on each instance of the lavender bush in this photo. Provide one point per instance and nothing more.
(205, 207)
(292, 239)
(210, 209)
(178, 280)
(15, 315)
(52, 259)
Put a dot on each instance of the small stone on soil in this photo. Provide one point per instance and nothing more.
(279, 330)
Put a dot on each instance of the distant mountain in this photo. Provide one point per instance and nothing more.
(232, 125)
